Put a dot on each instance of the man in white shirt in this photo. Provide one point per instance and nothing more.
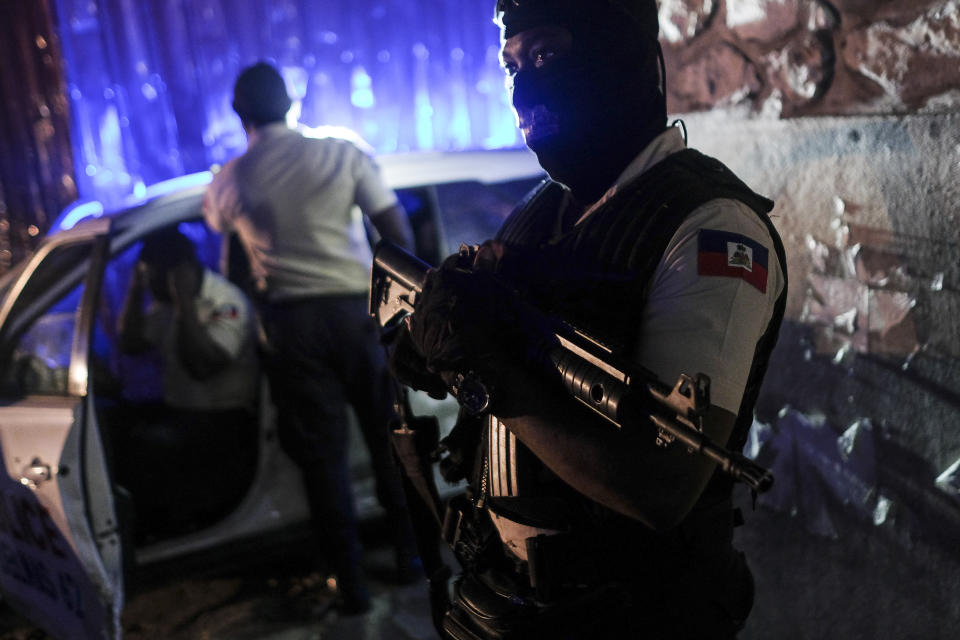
(297, 206)
(200, 321)
(672, 262)
(201, 324)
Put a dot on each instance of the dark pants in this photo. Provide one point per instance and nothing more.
(325, 354)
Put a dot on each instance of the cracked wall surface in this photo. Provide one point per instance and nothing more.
(846, 114)
(813, 57)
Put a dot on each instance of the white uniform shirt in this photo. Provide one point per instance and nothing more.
(297, 203)
(692, 323)
(224, 312)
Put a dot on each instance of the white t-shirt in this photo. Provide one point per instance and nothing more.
(224, 312)
(297, 205)
(707, 307)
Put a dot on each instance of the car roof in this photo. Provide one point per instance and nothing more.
(180, 198)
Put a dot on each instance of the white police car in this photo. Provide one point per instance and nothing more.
(68, 533)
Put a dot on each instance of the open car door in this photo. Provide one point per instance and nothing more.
(60, 551)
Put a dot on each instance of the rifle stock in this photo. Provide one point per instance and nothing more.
(588, 370)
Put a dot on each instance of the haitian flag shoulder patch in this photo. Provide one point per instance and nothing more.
(724, 253)
(228, 311)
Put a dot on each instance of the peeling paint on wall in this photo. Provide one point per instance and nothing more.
(814, 57)
(684, 19)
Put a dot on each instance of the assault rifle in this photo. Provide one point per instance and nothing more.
(589, 371)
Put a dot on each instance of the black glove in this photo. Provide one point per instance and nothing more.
(466, 319)
(426, 350)
(462, 317)
(408, 356)
(410, 368)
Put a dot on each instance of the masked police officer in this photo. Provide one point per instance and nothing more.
(574, 528)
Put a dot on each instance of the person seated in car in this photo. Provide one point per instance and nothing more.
(202, 326)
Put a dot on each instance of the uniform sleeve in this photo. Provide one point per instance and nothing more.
(221, 200)
(229, 320)
(372, 194)
(711, 299)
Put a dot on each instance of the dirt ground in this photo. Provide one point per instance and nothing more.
(275, 595)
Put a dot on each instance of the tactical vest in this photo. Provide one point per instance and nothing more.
(597, 275)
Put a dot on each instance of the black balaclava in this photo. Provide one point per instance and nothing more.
(260, 95)
(598, 106)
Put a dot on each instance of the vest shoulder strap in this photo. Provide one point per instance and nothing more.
(535, 218)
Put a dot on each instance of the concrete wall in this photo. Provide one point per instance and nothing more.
(860, 413)
(848, 115)
(806, 57)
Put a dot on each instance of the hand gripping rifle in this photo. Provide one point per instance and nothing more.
(589, 371)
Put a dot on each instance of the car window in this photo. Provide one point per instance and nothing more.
(472, 212)
(135, 378)
(420, 203)
(64, 265)
(35, 357)
(445, 215)
(40, 358)
(36, 343)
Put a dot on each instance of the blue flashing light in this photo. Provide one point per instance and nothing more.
(149, 91)
(460, 126)
(424, 119)
(410, 78)
(296, 78)
(362, 94)
(362, 98)
(75, 213)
